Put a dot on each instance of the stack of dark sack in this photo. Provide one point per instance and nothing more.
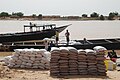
(82, 62)
(68, 61)
(29, 58)
(54, 61)
(63, 62)
(91, 61)
(100, 53)
(73, 61)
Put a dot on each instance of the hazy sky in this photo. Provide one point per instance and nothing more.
(60, 7)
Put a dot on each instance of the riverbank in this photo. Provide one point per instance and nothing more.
(54, 19)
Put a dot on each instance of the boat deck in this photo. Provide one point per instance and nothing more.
(79, 44)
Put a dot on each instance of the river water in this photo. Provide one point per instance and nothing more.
(78, 29)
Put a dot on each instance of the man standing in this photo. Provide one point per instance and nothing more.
(67, 34)
(46, 44)
(57, 37)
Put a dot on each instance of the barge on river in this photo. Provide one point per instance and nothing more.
(78, 44)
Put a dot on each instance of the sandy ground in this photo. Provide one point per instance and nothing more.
(37, 74)
(2, 54)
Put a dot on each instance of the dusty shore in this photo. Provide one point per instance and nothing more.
(37, 74)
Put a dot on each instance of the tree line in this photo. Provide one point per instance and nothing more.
(111, 15)
(6, 14)
(94, 15)
(17, 15)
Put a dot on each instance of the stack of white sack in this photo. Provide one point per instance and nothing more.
(29, 58)
(100, 49)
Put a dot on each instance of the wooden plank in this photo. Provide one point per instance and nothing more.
(89, 42)
(108, 41)
(117, 40)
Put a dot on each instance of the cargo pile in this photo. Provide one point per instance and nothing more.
(91, 59)
(82, 62)
(63, 61)
(29, 58)
(54, 61)
(100, 52)
(68, 61)
(72, 61)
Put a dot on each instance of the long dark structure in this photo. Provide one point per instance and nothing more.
(107, 43)
(79, 44)
(41, 32)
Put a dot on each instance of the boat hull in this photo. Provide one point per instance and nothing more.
(27, 36)
(109, 44)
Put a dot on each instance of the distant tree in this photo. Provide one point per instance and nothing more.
(116, 13)
(34, 15)
(20, 14)
(40, 16)
(111, 16)
(4, 14)
(84, 15)
(102, 17)
(94, 14)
